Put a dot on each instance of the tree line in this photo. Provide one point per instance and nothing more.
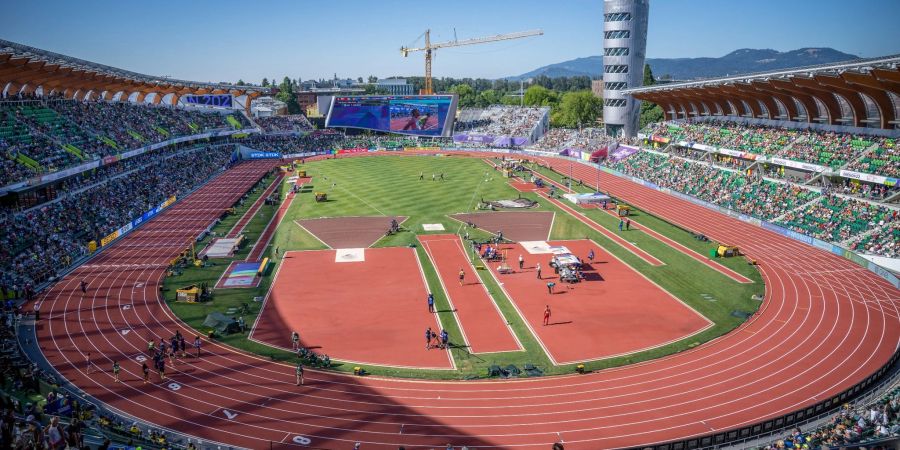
(571, 102)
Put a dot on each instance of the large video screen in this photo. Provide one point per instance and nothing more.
(421, 115)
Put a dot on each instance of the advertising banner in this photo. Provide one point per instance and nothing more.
(264, 155)
(887, 181)
(737, 154)
(798, 165)
(621, 153)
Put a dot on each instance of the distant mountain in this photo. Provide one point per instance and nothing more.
(745, 60)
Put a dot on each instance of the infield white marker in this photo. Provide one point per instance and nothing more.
(125, 331)
(126, 307)
(140, 358)
(302, 440)
(230, 415)
(174, 386)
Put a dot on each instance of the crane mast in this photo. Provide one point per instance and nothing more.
(429, 49)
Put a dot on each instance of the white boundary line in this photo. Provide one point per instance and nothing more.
(552, 222)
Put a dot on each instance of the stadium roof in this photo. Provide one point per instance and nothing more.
(864, 92)
(24, 69)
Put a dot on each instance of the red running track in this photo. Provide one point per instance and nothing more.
(482, 324)
(251, 212)
(834, 321)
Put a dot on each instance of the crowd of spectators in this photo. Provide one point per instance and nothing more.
(768, 200)
(32, 254)
(500, 120)
(825, 148)
(274, 124)
(316, 141)
(586, 139)
(43, 136)
(884, 160)
(826, 216)
(852, 427)
(836, 218)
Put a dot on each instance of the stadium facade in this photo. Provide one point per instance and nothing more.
(624, 50)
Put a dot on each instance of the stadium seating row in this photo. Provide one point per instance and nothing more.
(46, 136)
(824, 215)
(869, 154)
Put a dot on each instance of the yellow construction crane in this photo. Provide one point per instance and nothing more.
(429, 49)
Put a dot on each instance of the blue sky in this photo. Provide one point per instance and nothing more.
(226, 40)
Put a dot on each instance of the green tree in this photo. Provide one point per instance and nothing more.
(577, 109)
(286, 94)
(648, 76)
(265, 82)
(467, 97)
(537, 95)
(488, 98)
(373, 79)
(650, 112)
(371, 89)
(241, 83)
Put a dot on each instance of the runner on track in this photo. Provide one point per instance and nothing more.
(295, 340)
(547, 316)
(115, 370)
(146, 371)
(88, 364)
(84, 286)
(299, 373)
(428, 338)
(591, 255)
(197, 344)
(462, 276)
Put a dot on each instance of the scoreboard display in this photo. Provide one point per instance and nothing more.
(419, 115)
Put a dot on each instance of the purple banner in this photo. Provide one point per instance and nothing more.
(497, 141)
(621, 153)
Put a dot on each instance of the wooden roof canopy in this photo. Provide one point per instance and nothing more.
(24, 69)
(858, 93)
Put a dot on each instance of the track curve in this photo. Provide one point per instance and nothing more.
(825, 325)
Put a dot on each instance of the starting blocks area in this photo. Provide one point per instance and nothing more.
(614, 311)
(372, 311)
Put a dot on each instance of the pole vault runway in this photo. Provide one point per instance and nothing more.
(826, 325)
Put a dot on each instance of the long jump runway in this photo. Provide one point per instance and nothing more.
(483, 325)
(835, 322)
